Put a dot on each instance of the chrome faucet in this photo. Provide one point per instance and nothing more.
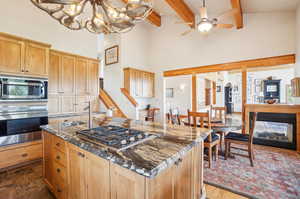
(89, 107)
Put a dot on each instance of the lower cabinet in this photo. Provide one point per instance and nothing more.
(72, 173)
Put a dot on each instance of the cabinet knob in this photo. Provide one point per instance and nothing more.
(81, 154)
(59, 190)
(58, 157)
(58, 170)
(27, 71)
(57, 144)
(178, 161)
(24, 155)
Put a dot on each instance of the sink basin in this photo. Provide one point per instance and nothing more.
(73, 123)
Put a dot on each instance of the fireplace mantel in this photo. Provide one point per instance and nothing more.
(275, 108)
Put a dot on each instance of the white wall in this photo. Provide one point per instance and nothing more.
(133, 53)
(22, 18)
(182, 94)
(263, 35)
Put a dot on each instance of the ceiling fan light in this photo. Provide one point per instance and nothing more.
(205, 26)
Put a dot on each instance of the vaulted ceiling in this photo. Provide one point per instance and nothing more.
(188, 9)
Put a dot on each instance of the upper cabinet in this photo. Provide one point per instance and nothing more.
(19, 56)
(139, 83)
(81, 76)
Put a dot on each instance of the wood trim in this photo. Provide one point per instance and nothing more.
(252, 63)
(214, 92)
(129, 97)
(110, 103)
(74, 55)
(129, 68)
(154, 18)
(24, 39)
(194, 93)
(238, 16)
(184, 12)
(244, 96)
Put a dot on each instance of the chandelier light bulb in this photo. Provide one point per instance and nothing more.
(205, 26)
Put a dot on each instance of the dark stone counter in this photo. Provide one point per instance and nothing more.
(147, 158)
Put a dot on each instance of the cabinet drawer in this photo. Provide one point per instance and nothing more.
(20, 154)
(60, 172)
(59, 144)
(59, 157)
(60, 189)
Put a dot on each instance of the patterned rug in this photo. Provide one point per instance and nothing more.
(276, 174)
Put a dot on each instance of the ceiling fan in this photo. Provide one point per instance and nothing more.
(205, 24)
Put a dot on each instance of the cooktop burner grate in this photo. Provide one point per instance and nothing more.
(115, 137)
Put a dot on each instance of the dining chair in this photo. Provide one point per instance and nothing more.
(150, 114)
(218, 113)
(242, 140)
(212, 141)
(174, 117)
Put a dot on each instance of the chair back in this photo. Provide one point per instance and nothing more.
(150, 114)
(202, 117)
(218, 113)
(174, 117)
(252, 127)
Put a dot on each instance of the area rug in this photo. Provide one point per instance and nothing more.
(276, 174)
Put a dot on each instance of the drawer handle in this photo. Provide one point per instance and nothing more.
(58, 170)
(58, 157)
(178, 161)
(81, 154)
(24, 155)
(57, 144)
(59, 190)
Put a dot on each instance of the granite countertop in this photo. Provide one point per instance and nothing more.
(147, 158)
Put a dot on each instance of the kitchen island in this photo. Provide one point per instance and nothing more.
(167, 165)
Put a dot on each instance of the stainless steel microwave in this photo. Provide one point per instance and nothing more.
(23, 89)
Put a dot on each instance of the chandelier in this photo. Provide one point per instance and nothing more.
(97, 16)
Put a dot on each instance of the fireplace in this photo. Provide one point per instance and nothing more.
(275, 129)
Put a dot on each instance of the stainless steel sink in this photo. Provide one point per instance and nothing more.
(73, 123)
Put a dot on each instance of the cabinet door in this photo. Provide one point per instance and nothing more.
(93, 77)
(54, 104)
(140, 83)
(182, 178)
(76, 168)
(126, 184)
(151, 85)
(81, 76)
(133, 83)
(54, 73)
(37, 60)
(67, 75)
(97, 177)
(67, 104)
(12, 53)
(146, 86)
(162, 185)
(47, 160)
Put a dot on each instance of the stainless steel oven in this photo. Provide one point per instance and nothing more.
(23, 89)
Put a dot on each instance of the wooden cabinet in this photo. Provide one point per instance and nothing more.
(135, 184)
(139, 83)
(37, 59)
(98, 177)
(20, 153)
(81, 76)
(12, 55)
(19, 56)
(73, 173)
(76, 166)
(72, 82)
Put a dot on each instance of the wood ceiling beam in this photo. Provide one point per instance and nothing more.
(154, 18)
(261, 62)
(238, 16)
(185, 13)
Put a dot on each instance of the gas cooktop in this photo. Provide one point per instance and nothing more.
(115, 137)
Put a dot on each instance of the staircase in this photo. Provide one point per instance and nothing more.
(110, 104)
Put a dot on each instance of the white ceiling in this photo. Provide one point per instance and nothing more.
(216, 7)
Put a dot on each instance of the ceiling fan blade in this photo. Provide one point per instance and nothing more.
(186, 32)
(227, 14)
(227, 26)
(203, 12)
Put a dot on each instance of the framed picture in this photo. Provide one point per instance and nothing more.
(112, 55)
(170, 92)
